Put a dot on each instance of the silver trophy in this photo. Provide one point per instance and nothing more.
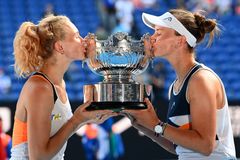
(118, 59)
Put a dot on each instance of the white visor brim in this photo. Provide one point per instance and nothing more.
(169, 21)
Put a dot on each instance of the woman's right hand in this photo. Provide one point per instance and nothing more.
(90, 40)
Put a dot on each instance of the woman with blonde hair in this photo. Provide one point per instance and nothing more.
(43, 117)
(198, 122)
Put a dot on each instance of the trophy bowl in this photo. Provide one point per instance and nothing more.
(118, 59)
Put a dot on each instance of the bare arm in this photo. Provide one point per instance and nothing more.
(164, 143)
(202, 92)
(39, 107)
(39, 104)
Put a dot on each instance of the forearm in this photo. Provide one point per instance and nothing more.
(164, 143)
(190, 139)
(201, 142)
(55, 143)
(60, 138)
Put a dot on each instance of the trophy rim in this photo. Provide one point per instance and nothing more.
(113, 47)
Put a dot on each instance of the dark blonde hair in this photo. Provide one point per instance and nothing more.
(197, 24)
(33, 44)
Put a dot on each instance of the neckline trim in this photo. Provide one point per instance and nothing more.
(177, 92)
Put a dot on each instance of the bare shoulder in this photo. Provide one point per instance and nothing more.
(38, 89)
(35, 92)
(203, 78)
(203, 83)
(207, 84)
(36, 85)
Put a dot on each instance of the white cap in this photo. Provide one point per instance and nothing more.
(169, 21)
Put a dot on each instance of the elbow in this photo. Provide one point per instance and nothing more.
(37, 155)
(207, 152)
(208, 148)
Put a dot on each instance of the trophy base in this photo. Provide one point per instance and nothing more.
(116, 96)
(116, 106)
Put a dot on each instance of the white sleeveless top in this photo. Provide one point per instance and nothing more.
(61, 113)
(225, 148)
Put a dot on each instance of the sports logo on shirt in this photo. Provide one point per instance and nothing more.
(56, 117)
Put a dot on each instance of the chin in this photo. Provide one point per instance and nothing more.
(79, 59)
(82, 58)
(158, 54)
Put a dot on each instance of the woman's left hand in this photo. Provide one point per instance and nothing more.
(148, 46)
(102, 116)
(145, 117)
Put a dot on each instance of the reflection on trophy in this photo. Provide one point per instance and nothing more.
(118, 59)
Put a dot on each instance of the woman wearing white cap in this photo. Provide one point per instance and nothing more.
(198, 123)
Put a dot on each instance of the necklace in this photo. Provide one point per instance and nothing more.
(178, 84)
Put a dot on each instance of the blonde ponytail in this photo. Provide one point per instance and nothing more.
(26, 50)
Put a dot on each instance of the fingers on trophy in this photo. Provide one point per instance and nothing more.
(90, 41)
(118, 59)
